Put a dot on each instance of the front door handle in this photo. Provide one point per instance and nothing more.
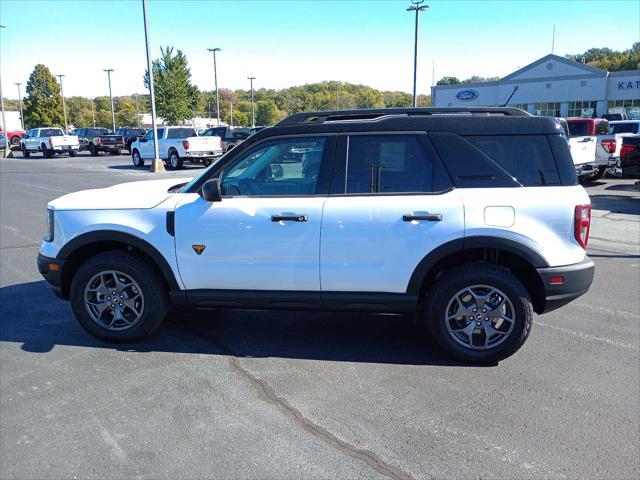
(289, 218)
(429, 217)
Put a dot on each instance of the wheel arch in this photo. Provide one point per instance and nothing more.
(83, 247)
(519, 259)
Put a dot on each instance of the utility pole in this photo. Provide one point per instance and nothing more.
(253, 116)
(20, 100)
(64, 108)
(113, 115)
(7, 150)
(553, 39)
(156, 165)
(416, 6)
(215, 79)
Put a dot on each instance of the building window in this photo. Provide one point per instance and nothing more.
(584, 109)
(629, 107)
(550, 109)
(521, 106)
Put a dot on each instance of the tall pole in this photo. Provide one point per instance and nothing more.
(20, 100)
(215, 80)
(253, 116)
(64, 108)
(553, 39)
(417, 7)
(113, 115)
(156, 165)
(7, 150)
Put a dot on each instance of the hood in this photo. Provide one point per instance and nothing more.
(130, 195)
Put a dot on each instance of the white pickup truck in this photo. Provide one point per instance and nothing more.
(175, 145)
(592, 146)
(49, 141)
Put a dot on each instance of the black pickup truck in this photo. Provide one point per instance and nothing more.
(130, 135)
(97, 140)
(629, 162)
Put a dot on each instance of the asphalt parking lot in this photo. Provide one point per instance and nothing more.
(245, 394)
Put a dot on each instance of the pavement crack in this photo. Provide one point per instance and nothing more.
(267, 393)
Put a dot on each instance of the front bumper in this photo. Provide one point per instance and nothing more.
(51, 270)
(576, 280)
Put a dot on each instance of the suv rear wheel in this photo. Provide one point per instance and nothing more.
(119, 296)
(479, 313)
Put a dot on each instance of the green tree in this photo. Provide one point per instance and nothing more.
(42, 102)
(610, 60)
(125, 110)
(448, 81)
(266, 112)
(176, 97)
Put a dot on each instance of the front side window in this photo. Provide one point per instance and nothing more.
(277, 168)
(390, 164)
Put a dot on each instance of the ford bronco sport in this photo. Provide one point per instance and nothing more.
(471, 217)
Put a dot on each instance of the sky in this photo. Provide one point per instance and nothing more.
(287, 43)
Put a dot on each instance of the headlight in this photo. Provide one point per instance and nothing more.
(50, 226)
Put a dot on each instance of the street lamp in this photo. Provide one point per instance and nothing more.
(416, 6)
(20, 100)
(113, 115)
(253, 117)
(64, 108)
(215, 78)
(156, 164)
(7, 151)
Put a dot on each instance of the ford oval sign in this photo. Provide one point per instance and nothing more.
(467, 95)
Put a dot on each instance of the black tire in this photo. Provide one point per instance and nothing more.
(175, 162)
(207, 161)
(93, 150)
(141, 271)
(46, 153)
(137, 160)
(15, 140)
(459, 278)
(115, 151)
(72, 153)
(25, 152)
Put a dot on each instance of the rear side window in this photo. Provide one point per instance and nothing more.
(391, 164)
(527, 158)
(180, 133)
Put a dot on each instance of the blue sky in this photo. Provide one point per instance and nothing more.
(285, 43)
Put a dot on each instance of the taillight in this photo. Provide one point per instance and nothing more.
(99, 141)
(609, 145)
(582, 222)
(625, 153)
(124, 139)
(222, 144)
(51, 141)
(185, 144)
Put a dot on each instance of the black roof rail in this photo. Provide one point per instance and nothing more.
(380, 113)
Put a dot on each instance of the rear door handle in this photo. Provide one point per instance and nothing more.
(289, 218)
(430, 217)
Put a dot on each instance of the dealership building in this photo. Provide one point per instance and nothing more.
(551, 86)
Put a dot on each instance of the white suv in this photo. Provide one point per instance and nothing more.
(471, 217)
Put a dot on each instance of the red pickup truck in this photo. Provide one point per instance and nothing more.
(13, 136)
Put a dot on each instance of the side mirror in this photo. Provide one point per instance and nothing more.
(211, 190)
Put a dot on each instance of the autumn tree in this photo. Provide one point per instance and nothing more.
(42, 102)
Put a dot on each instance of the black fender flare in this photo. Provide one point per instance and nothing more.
(123, 238)
(432, 258)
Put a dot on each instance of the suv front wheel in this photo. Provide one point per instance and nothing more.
(479, 313)
(119, 296)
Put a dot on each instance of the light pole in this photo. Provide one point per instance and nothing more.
(64, 108)
(215, 79)
(156, 165)
(113, 115)
(253, 116)
(7, 150)
(416, 6)
(20, 100)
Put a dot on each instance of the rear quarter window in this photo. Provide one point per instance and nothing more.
(527, 158)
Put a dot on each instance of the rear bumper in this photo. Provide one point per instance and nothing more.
(51, 270)
(577, 279)
(204, 154)
(587, 169)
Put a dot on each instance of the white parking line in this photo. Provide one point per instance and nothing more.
(587, 336)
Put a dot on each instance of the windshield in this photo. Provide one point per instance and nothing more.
(629, 127)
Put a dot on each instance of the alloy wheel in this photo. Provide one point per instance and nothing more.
(114, 300)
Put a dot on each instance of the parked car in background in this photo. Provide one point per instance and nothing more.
(130, 135)
(256, 129)
(13, 136)
(97, 140)
(628, 165)
(175, 145)
(49, 141)
(614, 116)
(592, 146)
(230, 137)
(3, 141)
